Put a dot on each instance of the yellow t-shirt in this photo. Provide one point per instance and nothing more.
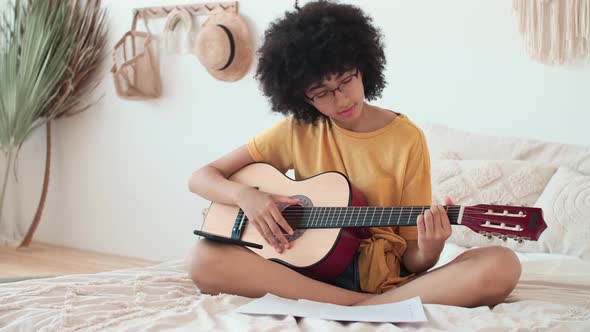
(390, 166)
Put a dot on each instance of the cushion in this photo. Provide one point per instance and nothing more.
(499, 182)
(448, 143)
(566, 210)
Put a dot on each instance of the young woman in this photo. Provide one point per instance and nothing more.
(319, 65)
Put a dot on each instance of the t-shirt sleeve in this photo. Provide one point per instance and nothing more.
(417, 189)
(273, 145)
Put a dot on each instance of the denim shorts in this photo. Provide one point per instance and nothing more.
(349, 279)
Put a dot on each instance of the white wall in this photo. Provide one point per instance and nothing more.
(119, 176)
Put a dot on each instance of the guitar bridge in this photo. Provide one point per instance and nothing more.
(236, 231)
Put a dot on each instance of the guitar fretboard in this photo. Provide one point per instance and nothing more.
(361, 216)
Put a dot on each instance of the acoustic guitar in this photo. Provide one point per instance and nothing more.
(332, 218)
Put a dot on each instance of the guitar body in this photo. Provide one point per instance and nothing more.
(318, 253)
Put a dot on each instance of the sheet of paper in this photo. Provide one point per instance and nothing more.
(410, 310)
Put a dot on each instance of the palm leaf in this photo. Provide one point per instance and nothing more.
(89, 29)
(33, 62)
(49, 53)
(45, 53)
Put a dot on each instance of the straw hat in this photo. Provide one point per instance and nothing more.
(223, 46)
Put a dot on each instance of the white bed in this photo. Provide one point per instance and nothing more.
(553, 293)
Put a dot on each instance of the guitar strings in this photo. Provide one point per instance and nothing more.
(344, 225)
(365, 209)
(375, 213)
(325, 215)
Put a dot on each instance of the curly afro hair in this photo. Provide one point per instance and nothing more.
(308, 45)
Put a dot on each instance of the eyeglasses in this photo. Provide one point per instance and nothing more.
(327, 97)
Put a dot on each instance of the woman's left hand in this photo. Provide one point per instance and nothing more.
(434, 228)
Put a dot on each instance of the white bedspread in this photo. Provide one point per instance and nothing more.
(552, 295)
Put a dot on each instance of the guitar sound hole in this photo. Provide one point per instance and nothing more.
(294, 215)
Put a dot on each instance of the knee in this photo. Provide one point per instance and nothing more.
(500, 271)
(201, 263)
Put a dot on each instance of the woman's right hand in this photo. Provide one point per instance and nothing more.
(262, 211)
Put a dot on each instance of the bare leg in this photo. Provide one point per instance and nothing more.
(483, 276)
(221, 268)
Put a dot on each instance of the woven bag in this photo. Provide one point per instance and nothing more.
(136, 70)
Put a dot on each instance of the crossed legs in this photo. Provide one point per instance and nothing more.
(483, 276)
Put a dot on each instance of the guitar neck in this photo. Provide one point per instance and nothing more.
(361, 216)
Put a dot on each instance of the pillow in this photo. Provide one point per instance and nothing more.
(500, 182)
(448, 143)
(566, 210)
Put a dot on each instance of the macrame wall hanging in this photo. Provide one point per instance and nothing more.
(178, 19)
(555, 31)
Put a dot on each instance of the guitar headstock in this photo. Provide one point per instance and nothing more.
(505, 221)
